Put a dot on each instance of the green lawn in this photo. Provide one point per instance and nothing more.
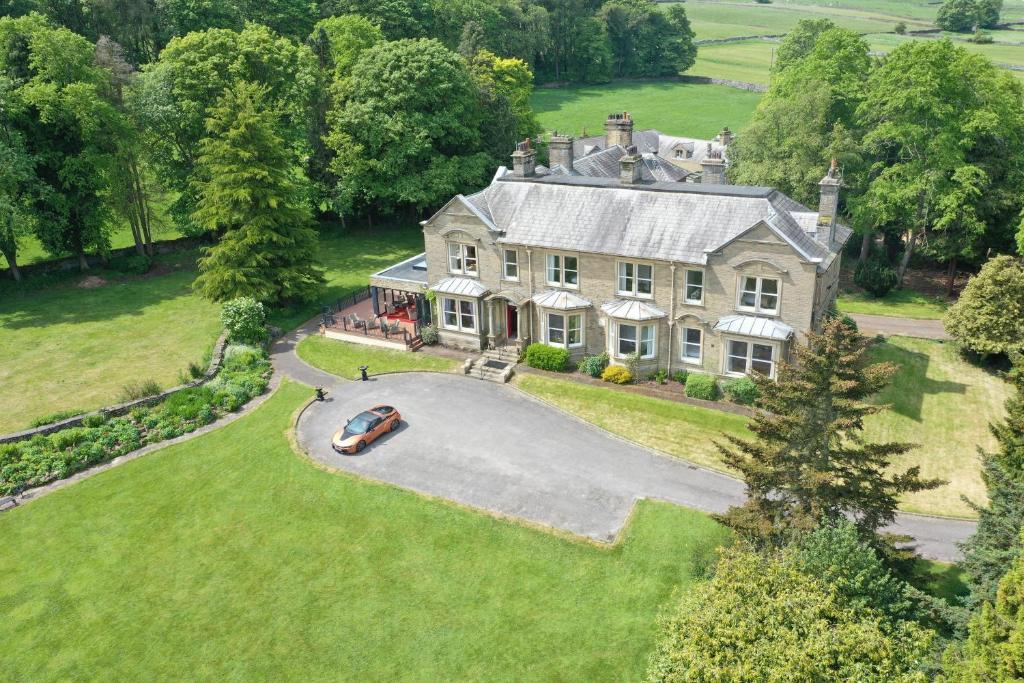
(229, 557)
(675, 108)
(748, 61)
(899, 303)
(682, 430)
(65, 347)
(944, 404)
(343, 359)
(349, 258)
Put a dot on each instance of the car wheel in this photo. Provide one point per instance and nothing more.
(394, 425)
(360, 446)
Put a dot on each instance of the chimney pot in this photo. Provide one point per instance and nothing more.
(560, 151)
(630, 166)
(524, 160)
(618, 130)
(713, 167)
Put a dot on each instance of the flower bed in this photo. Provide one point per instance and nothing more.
(244, 374)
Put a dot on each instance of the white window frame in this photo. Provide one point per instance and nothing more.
(566, 328)
(505, 263)
(638, 339)
(458, 261)
(460, 314)
(686, 287)
(758, 294)
(632, 289)
(749, 356)
(683, 344)
(559, 269)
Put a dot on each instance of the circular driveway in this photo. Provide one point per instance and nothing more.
(490, 446)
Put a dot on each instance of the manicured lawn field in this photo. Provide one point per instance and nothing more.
(682, 430)
(748, 61)
(349, 258)
(944, 404)
(229, 557)
(899, 303)
(675, 108)
(65, 347)
(343, 359)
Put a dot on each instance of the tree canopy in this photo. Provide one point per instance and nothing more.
(989, 315)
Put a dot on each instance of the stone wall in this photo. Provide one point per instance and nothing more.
(122, 408)
(71, 262)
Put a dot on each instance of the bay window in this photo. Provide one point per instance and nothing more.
(563, 271)
(635, 279)
(510, 270)
(462, 258)
(743, 357)
(459, 314)
(635, 339)
(565, 330)
(691, 346)
(759, 294)
(693, 289)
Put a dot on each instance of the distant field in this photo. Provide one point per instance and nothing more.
(748, 61)
(671, 107)
(1003, 52)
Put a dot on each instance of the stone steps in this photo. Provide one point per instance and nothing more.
(495, 365)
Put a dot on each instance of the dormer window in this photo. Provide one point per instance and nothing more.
(462, 259)
(759, 295)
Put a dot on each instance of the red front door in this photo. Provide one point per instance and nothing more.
(512, 322)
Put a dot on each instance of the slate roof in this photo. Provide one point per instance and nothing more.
(632, 310)
(652, 141)
(460, 286)
(754, 326)
(656, 220)
(412, 269)
(559, 300)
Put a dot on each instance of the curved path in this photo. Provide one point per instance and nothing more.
(491, 446)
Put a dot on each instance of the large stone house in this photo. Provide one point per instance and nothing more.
(706, 276)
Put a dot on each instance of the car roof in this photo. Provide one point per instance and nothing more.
(383, 409)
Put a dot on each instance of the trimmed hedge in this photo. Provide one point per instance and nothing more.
(741, 390)
(544, 357)
(701, 386)
(616, 374)
(45, 458)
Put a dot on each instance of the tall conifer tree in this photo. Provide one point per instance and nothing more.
(251, 194)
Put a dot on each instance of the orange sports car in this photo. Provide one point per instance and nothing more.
(365, 428)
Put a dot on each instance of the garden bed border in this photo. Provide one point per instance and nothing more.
(121, 408)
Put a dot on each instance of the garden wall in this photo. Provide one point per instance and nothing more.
(122, 408)
(71, 262)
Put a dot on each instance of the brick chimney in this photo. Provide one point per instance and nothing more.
(618, 130)
(828, 204)
(560, 151)
(725, 136)
(713, 167)
(524, 159)
(630, 166)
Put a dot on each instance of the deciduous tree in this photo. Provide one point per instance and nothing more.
(989, 315)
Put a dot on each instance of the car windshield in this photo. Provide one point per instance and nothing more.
(359, 424)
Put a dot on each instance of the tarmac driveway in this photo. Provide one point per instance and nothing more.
(490, 446)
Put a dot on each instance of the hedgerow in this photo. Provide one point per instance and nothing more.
(42, 459)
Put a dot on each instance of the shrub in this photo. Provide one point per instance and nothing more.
(980, 37)
(429, 335)
(616, 374)
(245, 320)
(544, 357)
(701, 386)
(55, 417)
(741, 390)
(680, 376)
(661, 376)
(136, 390)
(900, 28)
(632, 363)
(94, 420)
(132, 264)
(594, 365)
(986, 319)
(876, 277)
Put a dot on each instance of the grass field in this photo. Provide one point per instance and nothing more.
(900, 303)
(229, 557)
(688, 109)
(748, 61)
(65, 347)
(944, 404)
(938, 401)
(343, 359)
(682, 430)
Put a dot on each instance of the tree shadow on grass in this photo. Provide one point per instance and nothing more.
(905, 394)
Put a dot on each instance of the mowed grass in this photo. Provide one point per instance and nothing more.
(682, 430)
(748, 61)
(349, 257)
(1000, 52)
(899, 303)
(69, 348)
(230, 557)
(675, 108)
(945, 405)
(343, 359)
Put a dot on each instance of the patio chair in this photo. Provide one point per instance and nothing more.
(357, 321)
(373, 324)
(394, 328)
